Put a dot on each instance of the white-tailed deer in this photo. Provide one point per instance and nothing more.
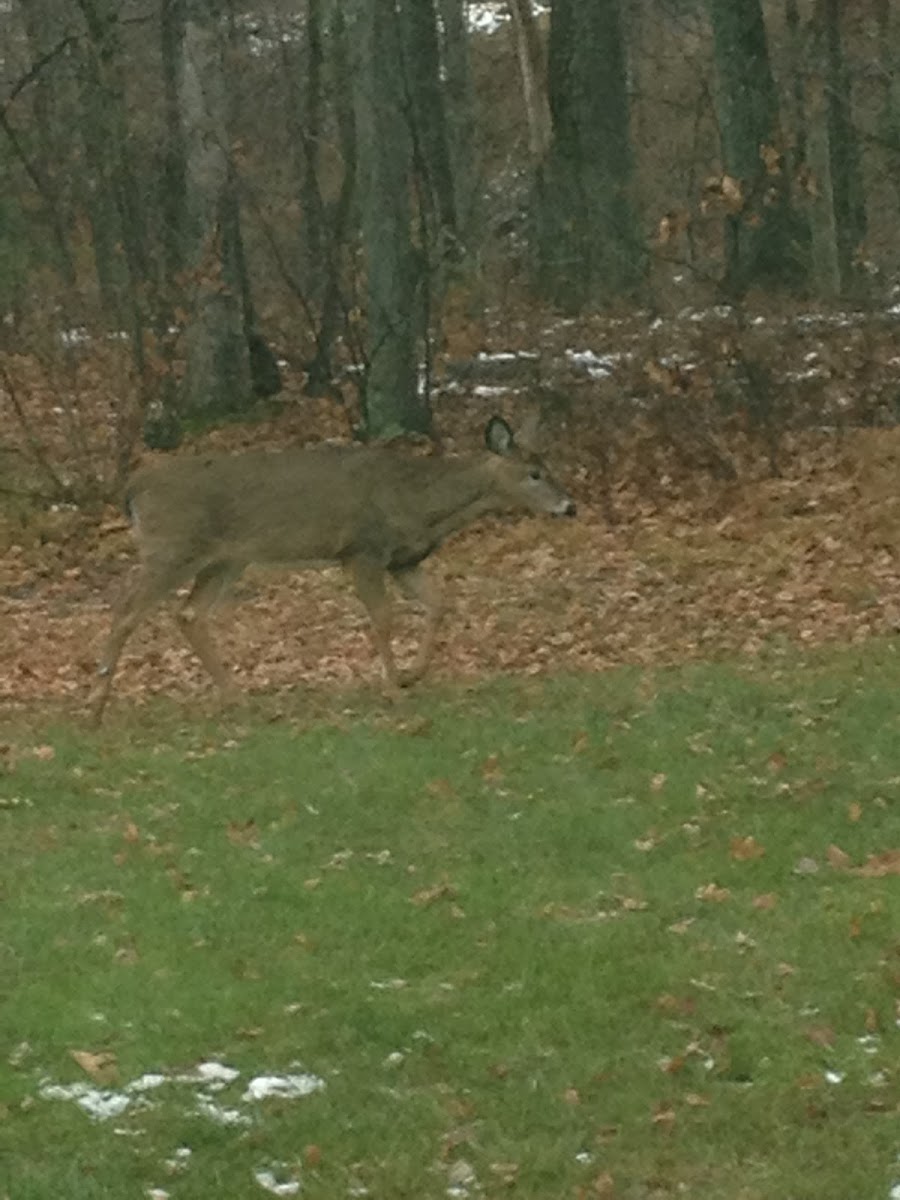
(375, 511)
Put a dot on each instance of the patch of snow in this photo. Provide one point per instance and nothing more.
(214, 1075)
(221, 1116)
(146, 1083)
(487, 392)
(268, 1180)
(285, 1087)
(809, 373)
(598, 366)
(461, 1178)
(99, 1103)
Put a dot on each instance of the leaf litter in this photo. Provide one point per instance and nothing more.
(700, 568)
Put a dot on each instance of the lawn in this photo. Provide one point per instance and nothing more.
(624, 935)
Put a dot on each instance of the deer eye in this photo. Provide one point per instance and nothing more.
(534, 473)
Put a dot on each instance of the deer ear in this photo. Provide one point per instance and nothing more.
(528, 435)
(498, 437)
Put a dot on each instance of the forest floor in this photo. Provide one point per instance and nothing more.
(664, 562)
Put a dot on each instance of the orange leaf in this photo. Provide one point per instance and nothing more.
(100, 1065)
(879, 865)
(745, 848)
(837, 858)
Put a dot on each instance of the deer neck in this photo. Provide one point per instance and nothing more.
(457, 498)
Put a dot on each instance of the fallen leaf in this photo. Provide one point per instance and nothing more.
(745, 848)
(242, 833)
(604, 1186)
(664, 1117)
(854, 811)
(658, 782)
(879, 865)
(44, 753)
(765, 900)
(100, 1065)
(820, 1035)
(312, 1155)
(491, 771)
(712, 891)
(571, 1096)
(837, 858)
(681, 1005)
(429, 895)
(671, 1066)
(777, 762)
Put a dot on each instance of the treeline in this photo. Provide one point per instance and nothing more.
(321, 176)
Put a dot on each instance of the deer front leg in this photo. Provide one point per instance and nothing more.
(417, 586)
(368, 579)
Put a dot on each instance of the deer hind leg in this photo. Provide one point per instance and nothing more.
(152, 584)
(417, 586)
(192, 620)
(369, 581)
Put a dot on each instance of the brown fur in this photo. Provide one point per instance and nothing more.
(377, 512)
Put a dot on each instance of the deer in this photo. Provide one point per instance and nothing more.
(201, 520)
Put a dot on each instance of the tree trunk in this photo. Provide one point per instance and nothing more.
(533, 73)
(426, 117)
(338, 229)
(763, 243)
(587, 243)
(217, 380)
(459, 93)
(826, 269)
(392, 403)
(848, 195)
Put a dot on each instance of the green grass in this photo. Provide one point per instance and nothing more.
(484, 919)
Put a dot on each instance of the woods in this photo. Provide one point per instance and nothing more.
(333, 186)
